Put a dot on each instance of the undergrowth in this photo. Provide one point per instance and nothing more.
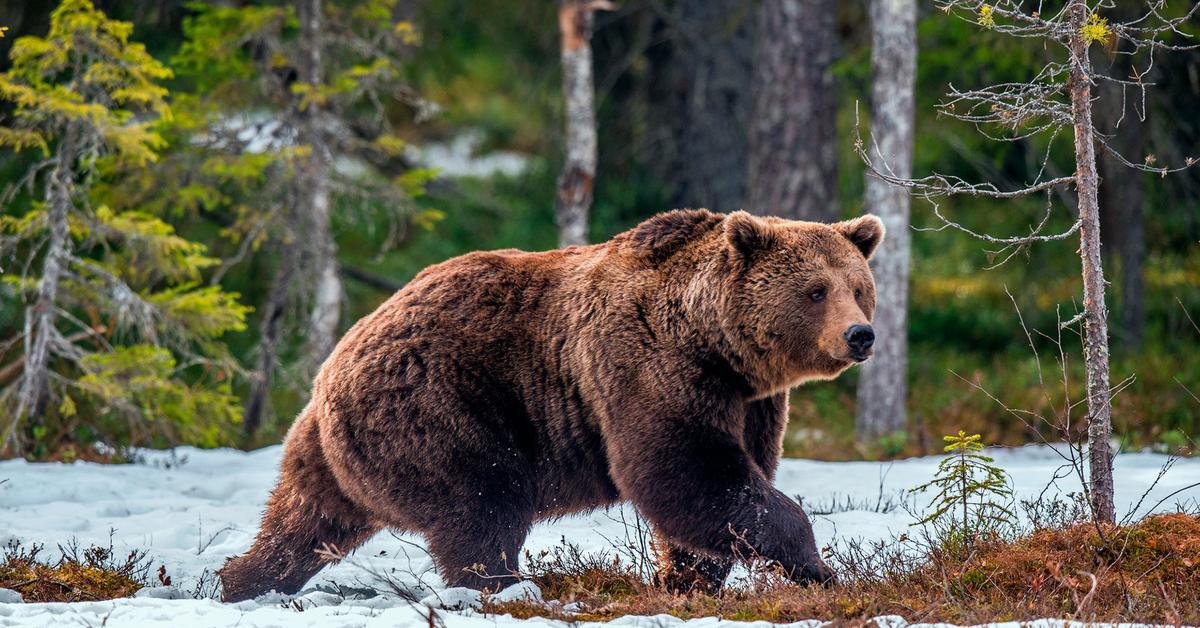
(95, 573)
(1145, 572)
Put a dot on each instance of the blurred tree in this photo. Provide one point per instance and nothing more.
(698, 90)
(793, 129)
(1123, 120)
(579, 172)
(116, 315)
(883, 383)
(293, 102)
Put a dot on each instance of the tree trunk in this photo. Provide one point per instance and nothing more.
(883, 383)
(40, 317)
(270, 333)
(579, 171)
(698, 93)
(327, 292)
(793, 136)
(1095, 344)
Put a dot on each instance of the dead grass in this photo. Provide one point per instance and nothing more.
(1145, 572)
(96, 573)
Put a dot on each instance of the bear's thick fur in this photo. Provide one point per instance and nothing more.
(503, 388)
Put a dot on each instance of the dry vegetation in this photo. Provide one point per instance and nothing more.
(96, 573)
(1145, 572)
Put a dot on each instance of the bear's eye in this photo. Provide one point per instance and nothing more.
(858, 293)
(817, 295)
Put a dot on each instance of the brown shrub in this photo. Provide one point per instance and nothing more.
(97, 574)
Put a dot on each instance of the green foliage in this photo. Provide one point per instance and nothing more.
(141, 379)
(134, 337)
(971, 495)
(87, 72)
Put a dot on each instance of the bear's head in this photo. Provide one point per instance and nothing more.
(799, 297)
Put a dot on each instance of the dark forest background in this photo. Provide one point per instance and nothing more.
(674, 83)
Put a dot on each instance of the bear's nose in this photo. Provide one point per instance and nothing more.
(860, 338)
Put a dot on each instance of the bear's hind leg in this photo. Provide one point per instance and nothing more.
(306, 514)
(478, 549)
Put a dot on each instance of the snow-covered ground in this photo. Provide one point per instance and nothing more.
(190, 509)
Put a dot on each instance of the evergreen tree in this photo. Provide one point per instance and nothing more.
(971, 494)
(120, 341)
(291, 111)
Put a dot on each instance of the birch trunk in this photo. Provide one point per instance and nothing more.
(793, 133)
(883, 384)
(39, 318)
(579, 172)
(1095, 344)
(327, 292)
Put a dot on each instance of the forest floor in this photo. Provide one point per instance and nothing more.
(189, 509)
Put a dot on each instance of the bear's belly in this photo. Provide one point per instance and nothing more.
(569, 460)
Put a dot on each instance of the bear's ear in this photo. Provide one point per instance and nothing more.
(747, 235)
(864, 232)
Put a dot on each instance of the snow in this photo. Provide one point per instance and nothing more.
(191, 508)
(461, 157)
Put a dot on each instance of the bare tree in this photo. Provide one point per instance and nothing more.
(1058, 97)
(793, 132)
(579, 172)
(883, 385)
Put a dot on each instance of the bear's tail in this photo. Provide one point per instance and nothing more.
(308, 522)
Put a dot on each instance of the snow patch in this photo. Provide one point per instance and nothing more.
(524, 591)
(162, 593)
(454, 599)
(191, 508)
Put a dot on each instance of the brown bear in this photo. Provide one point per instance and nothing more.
(502, 388)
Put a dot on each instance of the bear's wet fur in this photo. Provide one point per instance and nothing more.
(502, 388)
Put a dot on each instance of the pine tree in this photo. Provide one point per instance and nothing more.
(120, 341)
(972, 495)
(283, 93)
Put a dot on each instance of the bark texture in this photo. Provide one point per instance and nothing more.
(579, 172)
(1095, 344)
(698, 91)
(793, 136)
(883, 384)
(327, 294)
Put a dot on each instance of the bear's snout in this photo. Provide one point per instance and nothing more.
(860, 338)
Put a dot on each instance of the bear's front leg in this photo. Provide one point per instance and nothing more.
(691, 476)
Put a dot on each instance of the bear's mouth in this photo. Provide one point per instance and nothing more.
(861, 356)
